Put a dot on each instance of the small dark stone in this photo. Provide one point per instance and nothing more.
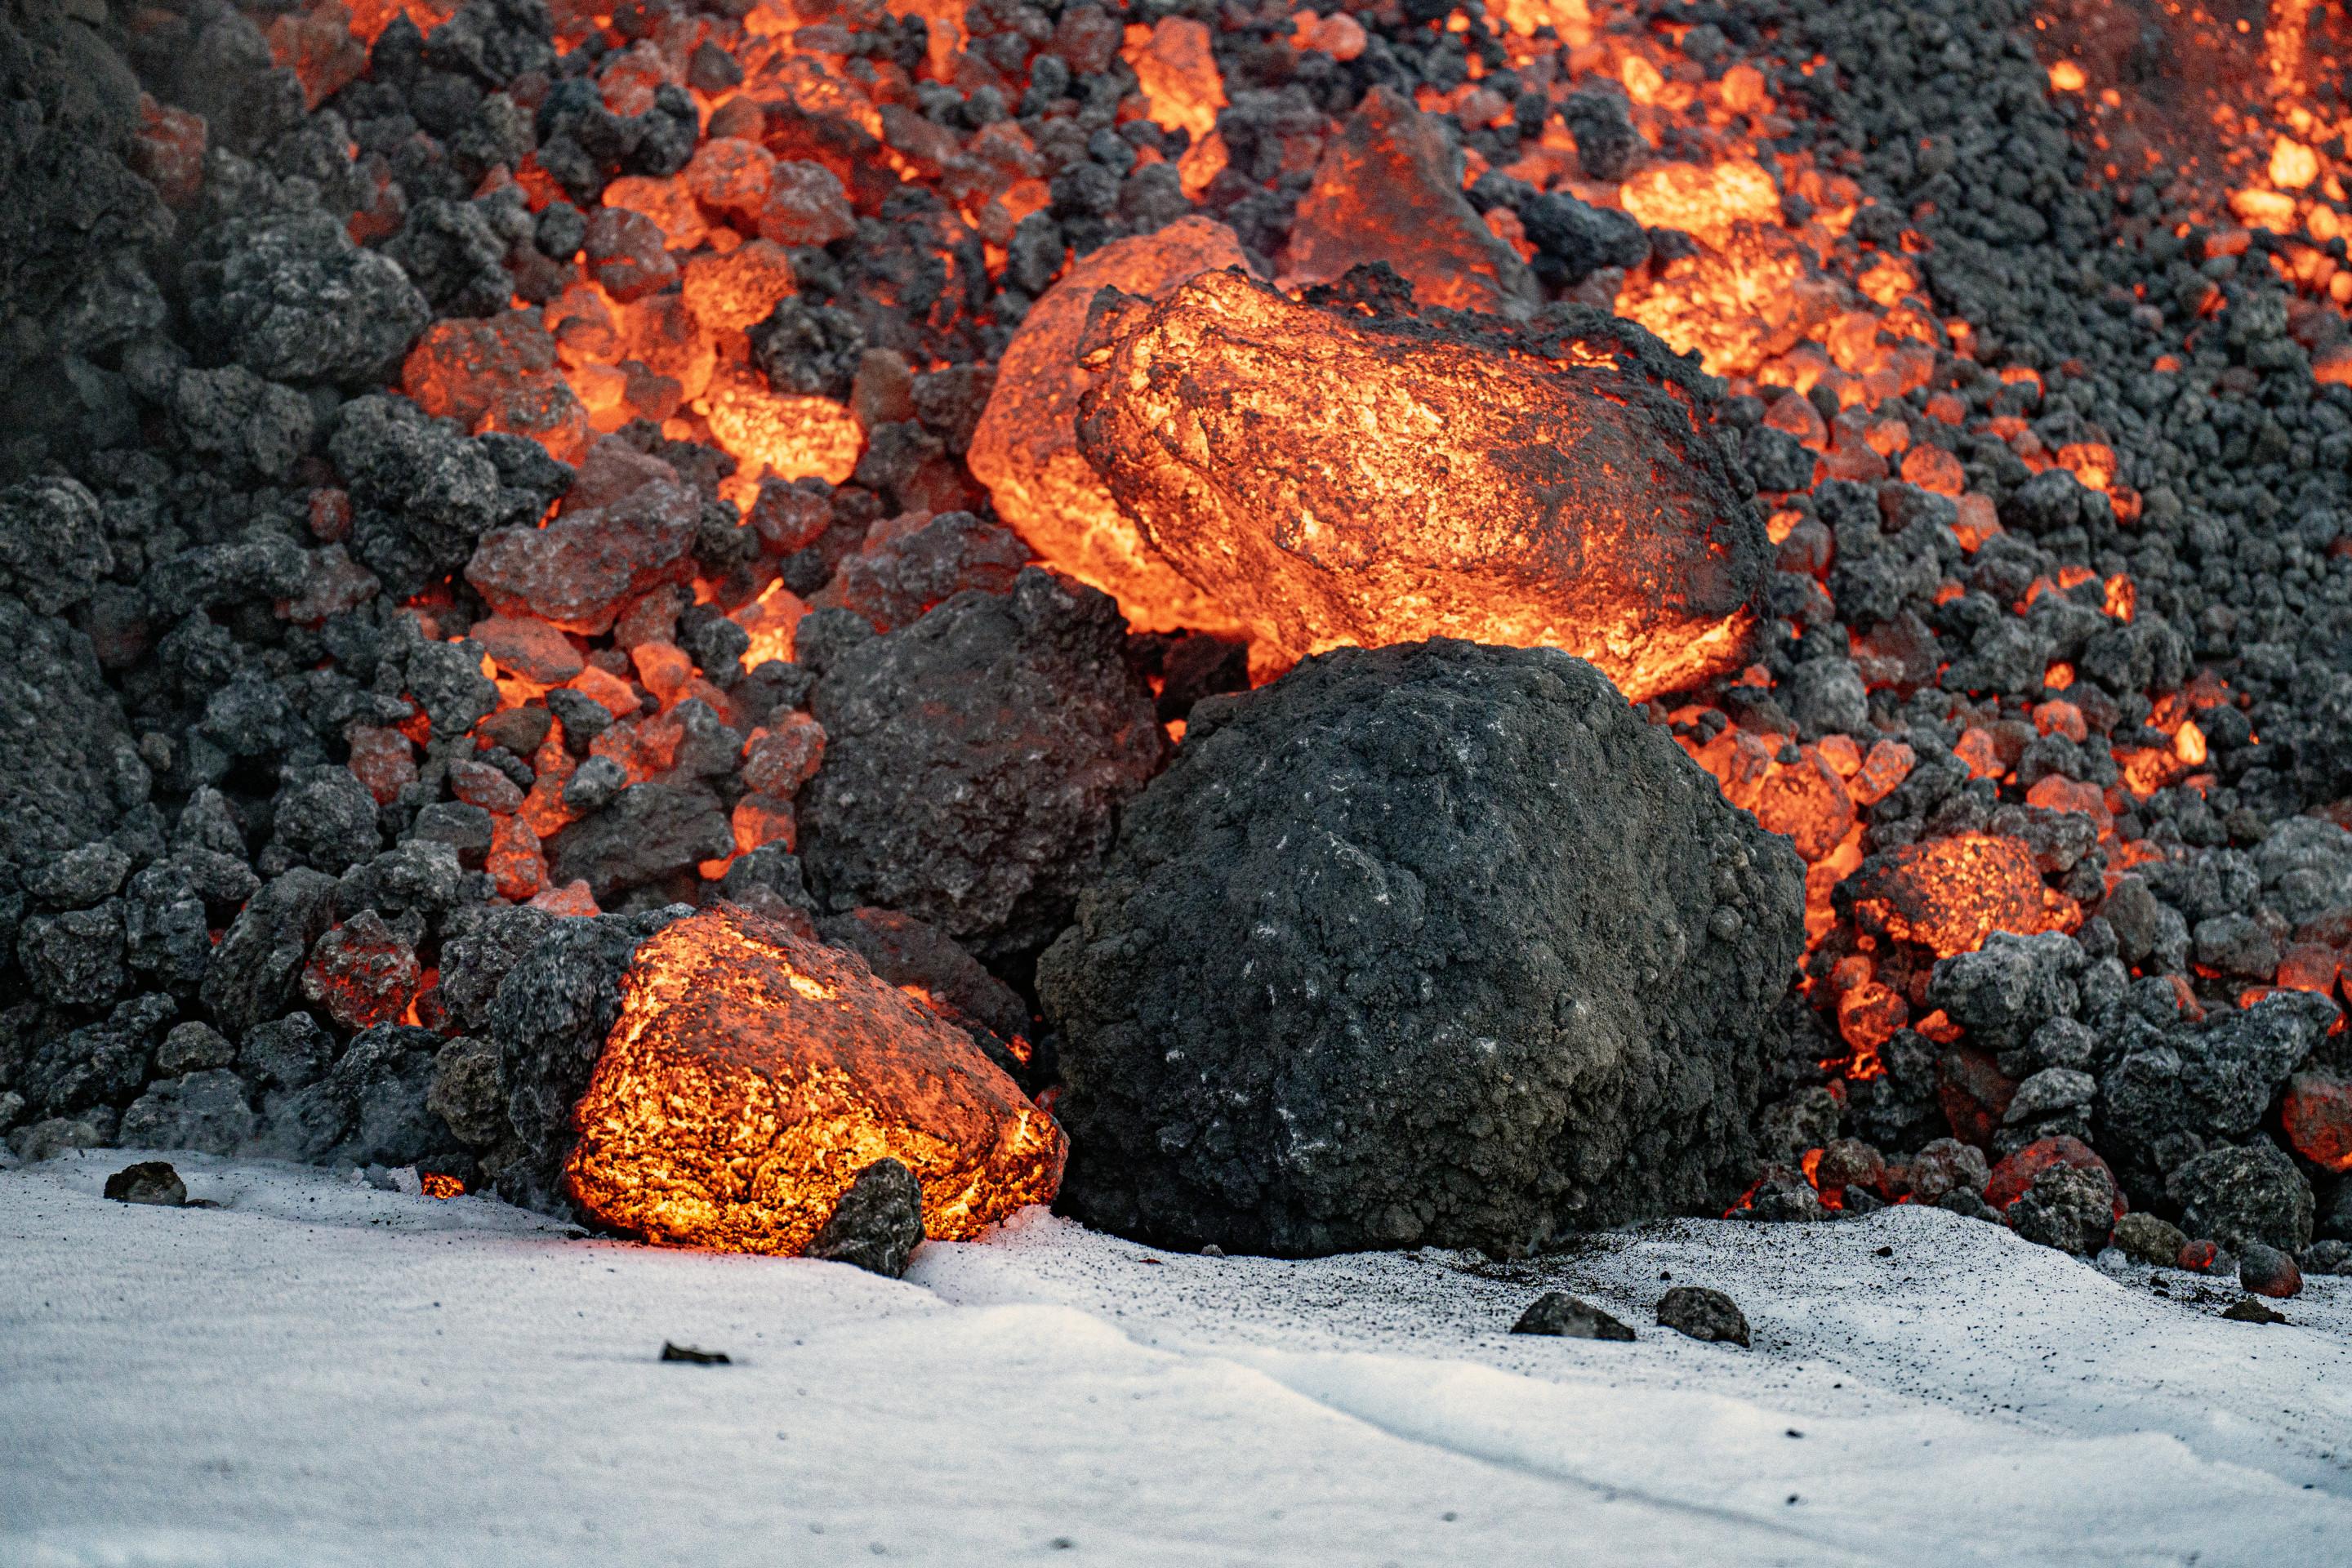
(1568, 1316)
(2249, 1310)
(148, 1181)
(2267, 1271)
(1703, 1314)
(878, 1223)
(2149, 1240)
(698, 1358)
(1961, 1201)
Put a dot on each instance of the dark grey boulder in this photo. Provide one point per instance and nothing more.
(550, 1016)
(987, 816)
(649, 832)
(254, 968)
(1436, 944)
(2176, 1092)
(204, 1110)
(2069, 1207)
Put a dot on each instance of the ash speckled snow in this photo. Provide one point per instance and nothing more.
(319, 1373)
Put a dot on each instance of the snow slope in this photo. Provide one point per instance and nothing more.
(318, 1372)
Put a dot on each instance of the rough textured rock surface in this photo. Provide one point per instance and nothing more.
(64, 751)
(1348, 477)
(1389, 188)
(550, 1016)
(1438, 945)
(290, 296)
(987, 818)
(2253, 1194)
(878, 1223)
(1025, 449)
(1703, 1314)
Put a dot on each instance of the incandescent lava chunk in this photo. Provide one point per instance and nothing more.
(1334, 477)
(1025, 449)
(751, 1075)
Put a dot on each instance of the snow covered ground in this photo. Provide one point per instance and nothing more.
(318, 1372)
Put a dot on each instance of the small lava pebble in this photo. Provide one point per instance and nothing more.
(1703, 1314)
(149, 1182)
(2250, 1310)
(2267, 1271)
(1568, 1316)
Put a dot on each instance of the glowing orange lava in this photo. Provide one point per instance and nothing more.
(751, 1075)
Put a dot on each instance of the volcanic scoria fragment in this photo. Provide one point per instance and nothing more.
(878, 1223)
(148, 1181)
(1333, 477)
(1025, 449)
(985, 817)
(1438, 945)
(751, 1076)
(1389, 188)
(1568, 1316)
(1703, 1314)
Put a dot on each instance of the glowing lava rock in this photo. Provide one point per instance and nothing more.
(1336, 478)
(1025, 449)
(751, 1075)
(1952, 893)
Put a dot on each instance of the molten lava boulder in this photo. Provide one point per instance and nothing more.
(751, 1077)
(1025, 449)
(1338, 476)
(974, 761)
(1432, 944)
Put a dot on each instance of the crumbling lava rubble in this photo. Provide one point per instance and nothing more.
(480, 479)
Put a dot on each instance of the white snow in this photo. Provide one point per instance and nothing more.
(318, 1372)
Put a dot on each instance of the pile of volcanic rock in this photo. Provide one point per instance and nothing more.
(335, 793)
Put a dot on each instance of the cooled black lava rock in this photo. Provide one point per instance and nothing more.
(205, 1111)
(2250, 1194)
(148, 1181)
(289, 297)
(650, 831)
(325, 819)
(1568, 1316)
(1703, 1314)
(467, 1093)
(549, 1017)
(423, 494)
(878, 1223)
(68, 768)
(2068, 1208)
(255, 967)
(478, 947)
(1434, 944)
(808, 350)
(985, 818)
(53, 546)
(386, 1080)
(2174, 1092)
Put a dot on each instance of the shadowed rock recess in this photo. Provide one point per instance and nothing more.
(1435, 944)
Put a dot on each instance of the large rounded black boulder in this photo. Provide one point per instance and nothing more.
(1435, 944)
